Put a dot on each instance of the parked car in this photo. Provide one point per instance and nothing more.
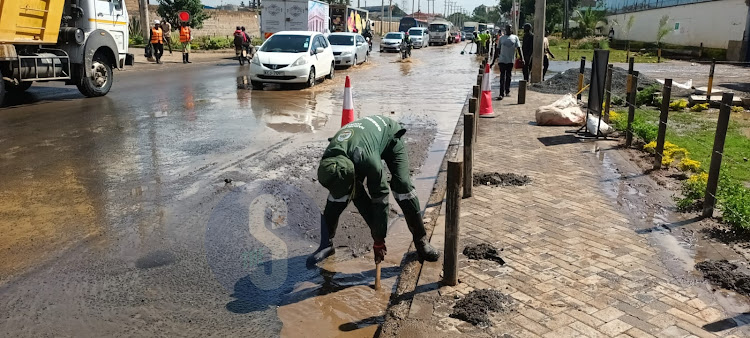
(292, 57)
(419, 37)
(456, 37)
(349, 49)
(463, 36)
(392, 42)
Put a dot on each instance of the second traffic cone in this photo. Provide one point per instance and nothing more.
(485, 107)
(347, 115)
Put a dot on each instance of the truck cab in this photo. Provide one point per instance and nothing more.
(80, 42)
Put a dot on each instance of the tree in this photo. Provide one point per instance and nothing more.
(242, 4)
(486, 14)
(664, 29)
(168, 10)
(554, 11)
(588, 20)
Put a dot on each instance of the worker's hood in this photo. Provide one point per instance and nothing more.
(278, 58)
(336, 173)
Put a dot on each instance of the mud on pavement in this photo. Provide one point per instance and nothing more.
(476, 307)
(483, 251)
(726, 275)
(496, 179)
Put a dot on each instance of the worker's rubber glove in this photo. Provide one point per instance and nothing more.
(380, 251)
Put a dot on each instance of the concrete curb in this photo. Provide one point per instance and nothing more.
(411, 269)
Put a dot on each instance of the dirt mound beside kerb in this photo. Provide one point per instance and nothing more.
(497, 179)
(725, 275)
(477, 305)
(567, 82)
(483, 251)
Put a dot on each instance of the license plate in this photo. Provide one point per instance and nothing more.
(273, 73)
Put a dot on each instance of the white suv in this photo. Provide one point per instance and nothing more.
(292, 57)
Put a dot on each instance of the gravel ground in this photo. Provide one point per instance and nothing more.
(567, 82)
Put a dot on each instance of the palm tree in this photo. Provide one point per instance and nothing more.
(589, 19)
(664, 29)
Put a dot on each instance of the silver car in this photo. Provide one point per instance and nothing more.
(392, 41)
(349, 49)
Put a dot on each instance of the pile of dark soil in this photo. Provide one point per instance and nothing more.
(567, 82)
(483, 251)
(725, 275)
(477, 305)
(496, 179)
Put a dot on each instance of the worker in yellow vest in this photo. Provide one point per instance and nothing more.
(186, 35)
(157, 40)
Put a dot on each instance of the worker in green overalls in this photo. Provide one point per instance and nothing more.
(356, 153)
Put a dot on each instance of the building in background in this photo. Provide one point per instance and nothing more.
(720, 24)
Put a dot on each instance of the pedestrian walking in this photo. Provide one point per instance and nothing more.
(356, 153)
(167, 28)
(186, 35)
(547, 54)
(509, 45)
(528, 49)
(157, 40)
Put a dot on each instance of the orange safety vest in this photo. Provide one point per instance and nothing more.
(157, 36)
(184, 34)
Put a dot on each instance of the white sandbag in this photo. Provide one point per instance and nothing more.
(563, 112)
(593, 122)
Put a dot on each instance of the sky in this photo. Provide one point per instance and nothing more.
(468, 5)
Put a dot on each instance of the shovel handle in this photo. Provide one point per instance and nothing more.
(377, 276)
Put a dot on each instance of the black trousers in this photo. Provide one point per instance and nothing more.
(527, 67)
(158, 50)
(505, 70)
(546, 66)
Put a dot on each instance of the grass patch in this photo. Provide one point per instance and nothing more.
(560, 50)
(694, 132)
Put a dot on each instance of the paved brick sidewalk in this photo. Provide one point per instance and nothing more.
(575, 264)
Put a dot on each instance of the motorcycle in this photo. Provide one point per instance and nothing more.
(245, 54)
(405, 50)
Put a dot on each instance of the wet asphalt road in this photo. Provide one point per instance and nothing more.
(117, 219)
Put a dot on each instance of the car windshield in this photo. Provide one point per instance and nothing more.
(438, 28)
(341, 40)
(393, 36)
(286, 44)
(415, 32)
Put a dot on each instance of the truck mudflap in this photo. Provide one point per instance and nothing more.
(97, 39)
(129, 59)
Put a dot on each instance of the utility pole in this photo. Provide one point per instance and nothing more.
(566, 21)
(143, 11)
(412, 7)
(538, 53)
(382, 16)
(390, 13)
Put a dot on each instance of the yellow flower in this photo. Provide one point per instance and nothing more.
(698, 178)
(687, 164)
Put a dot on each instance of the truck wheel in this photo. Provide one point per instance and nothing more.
(100, 81)
(17, 88)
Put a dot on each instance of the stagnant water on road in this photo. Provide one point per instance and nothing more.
(183, 202)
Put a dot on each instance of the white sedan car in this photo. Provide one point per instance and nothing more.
(392, 41)
(349, 49)
(292, 57)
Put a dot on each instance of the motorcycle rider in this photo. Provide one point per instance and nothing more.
(406, 44)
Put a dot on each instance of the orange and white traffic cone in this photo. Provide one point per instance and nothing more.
(485, 108)
(347, 115)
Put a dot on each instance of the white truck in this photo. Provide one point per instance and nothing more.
(76, 41)
(293, 15)
(440, 32)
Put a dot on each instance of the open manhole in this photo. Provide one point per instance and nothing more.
(477, 305)
(497, 179)
(483, 251)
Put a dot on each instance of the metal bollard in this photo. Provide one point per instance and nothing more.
(522, 92)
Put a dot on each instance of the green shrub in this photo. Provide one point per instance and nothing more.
(604, 44)
(693, 190)
(554, 40)
(657, 101)
(734, 202)
(646, 96)
(211, 43)
(617, 100)
(641, 127)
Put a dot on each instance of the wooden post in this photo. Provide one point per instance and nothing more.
(627, 53)
(452, 212)
(475, 93)
(709, 201)
(658, 55)
(660, 138)
(608, 93)
(580, 77)
(522, 92)
(710, 81)
(568, 50)
(469, 149)
(631, 108)
(479, 79)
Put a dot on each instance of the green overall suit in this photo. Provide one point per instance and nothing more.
(356, 153)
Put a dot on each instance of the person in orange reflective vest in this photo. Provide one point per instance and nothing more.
(186, 36)
(157, 40)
